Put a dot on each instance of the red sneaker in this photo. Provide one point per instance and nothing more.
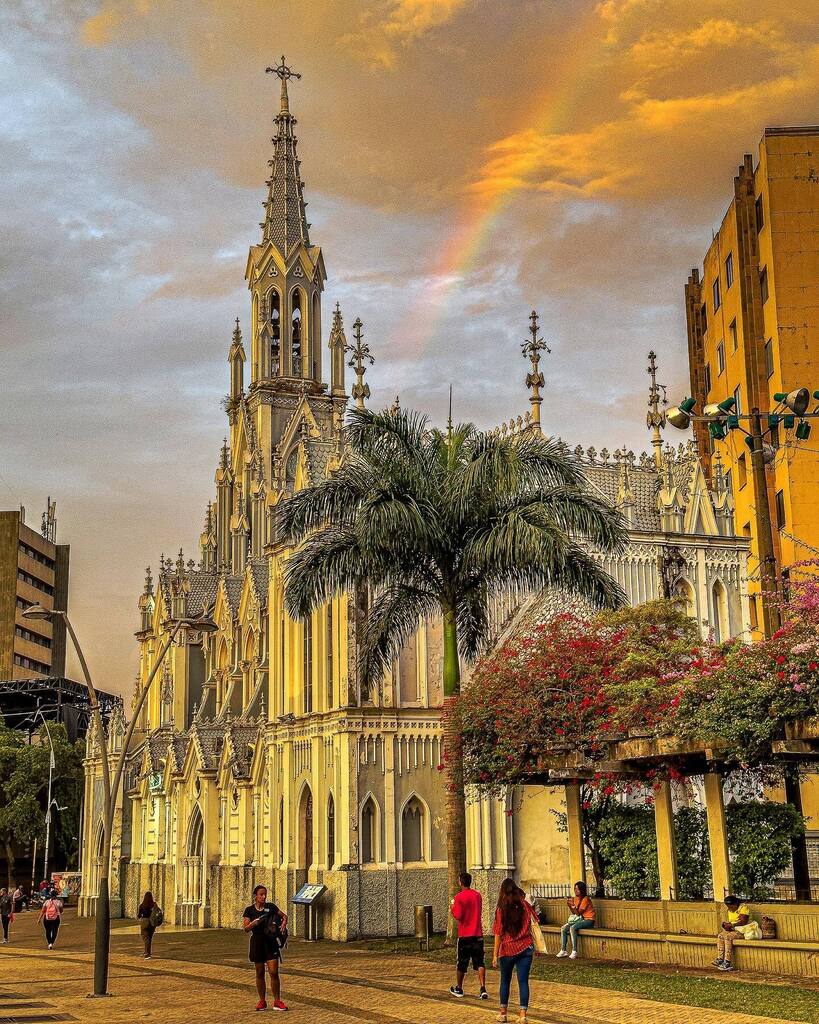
(261, 1005)
(279, 1005)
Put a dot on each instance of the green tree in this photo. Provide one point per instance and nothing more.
(434, 523)
(693, 853)
(759, 838)
(628, 844)
(24, 792)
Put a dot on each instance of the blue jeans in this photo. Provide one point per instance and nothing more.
(522, 964)
(573, 929)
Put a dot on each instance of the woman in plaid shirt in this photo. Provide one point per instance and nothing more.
(514, 946)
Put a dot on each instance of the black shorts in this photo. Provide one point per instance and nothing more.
(470, 949)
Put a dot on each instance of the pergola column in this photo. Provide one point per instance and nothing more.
(717, 835)
(574, 823)
(666, 846)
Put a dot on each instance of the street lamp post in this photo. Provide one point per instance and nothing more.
(722, 418)
(110, 786)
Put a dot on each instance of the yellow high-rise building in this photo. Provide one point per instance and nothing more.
(753, 331)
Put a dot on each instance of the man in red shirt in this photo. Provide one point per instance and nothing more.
(466, 909)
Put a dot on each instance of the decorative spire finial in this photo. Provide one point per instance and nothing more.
(149, 583)
(284, 72)
(655, 420)
(531, 349)
(360, 357)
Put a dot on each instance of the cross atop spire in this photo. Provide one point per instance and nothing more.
(285, 223)
(360, 357)
(531, 350)
(655, 420)
(284, 73)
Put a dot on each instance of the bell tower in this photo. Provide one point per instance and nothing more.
(285, 273)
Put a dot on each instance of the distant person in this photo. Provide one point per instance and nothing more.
(739, 915)
(268, 929)
(51, 913)
(514, 945)
(150, 917)
(19, 898)
(6, 913)
(467, 909)
(581, 916)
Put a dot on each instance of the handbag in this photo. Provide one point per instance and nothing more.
(574, 918)
(537, 935)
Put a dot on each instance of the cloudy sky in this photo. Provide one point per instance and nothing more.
(465, 160)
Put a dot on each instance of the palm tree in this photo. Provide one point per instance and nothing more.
(435, 523)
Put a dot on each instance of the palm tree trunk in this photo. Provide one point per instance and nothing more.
(455, 802)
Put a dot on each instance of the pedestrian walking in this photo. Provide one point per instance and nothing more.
(6, 913)
(514, 946)
(150, 917)
(467, 909)
(51, 913)
(268, 933)
(19, 899)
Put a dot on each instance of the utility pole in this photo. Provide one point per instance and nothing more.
(771, 621)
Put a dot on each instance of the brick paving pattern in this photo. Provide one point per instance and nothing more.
(205, 975)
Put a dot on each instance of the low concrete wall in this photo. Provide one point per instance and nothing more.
(799, 959)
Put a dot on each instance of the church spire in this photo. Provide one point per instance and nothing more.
(285, 223)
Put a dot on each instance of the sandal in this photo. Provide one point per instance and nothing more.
(501, 1018)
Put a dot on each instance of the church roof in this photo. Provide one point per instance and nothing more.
(644, 486)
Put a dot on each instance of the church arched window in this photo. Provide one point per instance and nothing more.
(296, 329)
(275, 333)
(412, 825)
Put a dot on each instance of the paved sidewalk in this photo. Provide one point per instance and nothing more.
(205, 975)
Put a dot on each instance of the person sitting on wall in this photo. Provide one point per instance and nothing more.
(581, 916)
(738, 926)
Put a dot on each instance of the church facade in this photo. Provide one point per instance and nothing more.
(259, 757)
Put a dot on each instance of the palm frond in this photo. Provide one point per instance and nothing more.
(393, 618)
(329, 561)
(473, 623)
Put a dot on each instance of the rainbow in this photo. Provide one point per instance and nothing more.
(550, 111)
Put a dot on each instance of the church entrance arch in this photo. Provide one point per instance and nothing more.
(193, 862)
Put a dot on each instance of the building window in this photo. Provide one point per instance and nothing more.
(738, 400)
(729, 482)
(715, 290)
(35, 666)
(707, 379)
(729, 270)
(368, 832)
(38, 556)
(307, 647)
(34, 582)
(780, 510)
(704, 315)
(412, 826)
(769, 364)
(746, 530)
(732, 328)
(752, 612)
(34, 638)
(331, 832)
(742, 471)
(329, 654)
(720, 357)
(760, 213)
(763, 284)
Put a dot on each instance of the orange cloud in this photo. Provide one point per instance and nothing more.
(101, 28)
(405, 21)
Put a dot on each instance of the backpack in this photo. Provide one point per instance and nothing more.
(273, 929)
(768, 928)
(156, 916)
(52, 910)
